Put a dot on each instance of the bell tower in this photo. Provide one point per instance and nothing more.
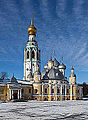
(32, 55)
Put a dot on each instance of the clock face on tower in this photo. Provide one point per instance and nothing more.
(27, 69)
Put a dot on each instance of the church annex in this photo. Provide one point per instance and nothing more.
(49, 85)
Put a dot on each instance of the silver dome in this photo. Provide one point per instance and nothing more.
(52, 73)
(62, 66)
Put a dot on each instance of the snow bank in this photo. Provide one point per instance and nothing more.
(45, 110)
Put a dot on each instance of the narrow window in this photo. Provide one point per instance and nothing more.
(58, 91)
(33, 54)
(27, 54)
(58, 98)
(52, 90)
(29, 90)
(63, 90)
(67, 91)
(32, 43)
(52, 99)
(22, 91)
(46, 99)
(36, 90)
(78, 90)
(45, 90)
(35, 98)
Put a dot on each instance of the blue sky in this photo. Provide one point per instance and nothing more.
(62, 26)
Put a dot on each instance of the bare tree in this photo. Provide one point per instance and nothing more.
(3, 75)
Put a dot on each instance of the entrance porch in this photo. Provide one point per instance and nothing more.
(15, 94)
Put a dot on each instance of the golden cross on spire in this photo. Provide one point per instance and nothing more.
(13, 74)
(54, 53)
(51, 55)
(72, 68)
(32, 19)
(62, 59)
(32, 15)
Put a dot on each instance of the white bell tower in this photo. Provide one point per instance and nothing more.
(32, 54)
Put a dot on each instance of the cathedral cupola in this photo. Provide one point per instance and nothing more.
(32, 30)
(72, 73)
(50, 64)
(62, 67)
(72, 77)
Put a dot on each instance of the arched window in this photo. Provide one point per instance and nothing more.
(58, 91)
(46, 99)
(33, 54)
(27, 54)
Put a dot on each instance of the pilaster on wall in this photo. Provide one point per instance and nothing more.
(71, 92)
(65, 92)
(61, 98)
(56, 92)
(42, 91)
(49, 98)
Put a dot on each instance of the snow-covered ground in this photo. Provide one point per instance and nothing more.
(45, 110)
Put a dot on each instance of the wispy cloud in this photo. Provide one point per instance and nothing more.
(81, 51)
(60, 8)
(78, 8)
(44, 9)
(3, 50)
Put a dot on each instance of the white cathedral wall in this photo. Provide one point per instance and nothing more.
(28, 65)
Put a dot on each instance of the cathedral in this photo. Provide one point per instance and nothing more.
(49, 85)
